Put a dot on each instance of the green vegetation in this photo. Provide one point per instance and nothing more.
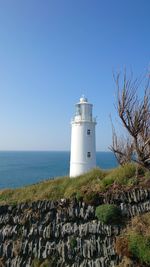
(134, 243)
(147, 175)
(139, 246)
(50, 262)
(121, 175)
(63, 187)
(108, 213)
(86, 187)
(42, 263)
(73, 243)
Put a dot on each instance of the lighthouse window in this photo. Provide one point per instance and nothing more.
(88, 154)
(88, 132)
(78, 110)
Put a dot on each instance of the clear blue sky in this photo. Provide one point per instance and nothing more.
(52, 52)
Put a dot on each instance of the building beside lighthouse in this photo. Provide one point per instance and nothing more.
(83, 148)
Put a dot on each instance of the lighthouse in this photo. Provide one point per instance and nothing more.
(83, 150)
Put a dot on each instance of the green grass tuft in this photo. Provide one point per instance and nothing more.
(120, 176)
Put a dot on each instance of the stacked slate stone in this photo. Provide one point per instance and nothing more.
(66, 232)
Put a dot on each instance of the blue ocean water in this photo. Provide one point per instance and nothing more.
(18, 169)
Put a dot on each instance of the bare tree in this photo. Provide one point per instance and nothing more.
(122, 148)
(135, 117)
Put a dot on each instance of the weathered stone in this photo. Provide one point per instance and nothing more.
(67, 232)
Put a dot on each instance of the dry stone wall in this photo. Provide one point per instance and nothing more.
(65, 232)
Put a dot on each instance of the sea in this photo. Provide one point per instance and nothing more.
(22, 168)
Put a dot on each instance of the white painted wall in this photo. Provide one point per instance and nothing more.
(82, 143)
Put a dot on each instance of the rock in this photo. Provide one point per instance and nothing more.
(67, 232)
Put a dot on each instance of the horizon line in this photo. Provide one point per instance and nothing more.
(17, 150)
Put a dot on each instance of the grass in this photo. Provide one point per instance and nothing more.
(139, 246)
(63, 187)
(86, 186)
(120, 175)
(134, 243)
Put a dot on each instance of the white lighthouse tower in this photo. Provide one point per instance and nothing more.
(83, 151)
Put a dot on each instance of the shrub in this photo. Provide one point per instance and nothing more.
(108, 213)
(139, 246)
(135, 241)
